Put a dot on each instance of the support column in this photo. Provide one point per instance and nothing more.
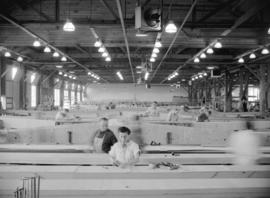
(263, 89)
(22, 104)
(228, 93)
(3, 78)
(62, 86)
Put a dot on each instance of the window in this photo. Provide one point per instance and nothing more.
(33, 96)
(72, 99)
(56, 97)
(66, 100)
(78, 96)
(253, 94)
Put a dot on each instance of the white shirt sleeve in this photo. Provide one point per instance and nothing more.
(112, 152)
(136, 150)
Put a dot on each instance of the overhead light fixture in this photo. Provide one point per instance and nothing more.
(241, 60)
(119, 75)
(171, 27)
(47, 49)
(69, 26)
(210, 51)
(65, 75)
(203, 55)
(268, 31)
(36, 43)
(265, 51)
(196, 77)
(56, 54)
(138, 71)
(192, 78)
(196, 60)
(33, 77)
(19, 59)
(140, 34)
(60, 73)
(104, 54)
(158, 44)
(146, 75)
(252, 56)
(155, 50)
(205, 74)
(210, 67)
(59, 66)
(13, 72)
(200, 76)
(154, 55)
(74, 77)
(7, 54)
(218, 45)
(108, 59)
(101, 49)
(89, 73)
(64, 59)
(152, 60)
(70, 76)
(98, 43)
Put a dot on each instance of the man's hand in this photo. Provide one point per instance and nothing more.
(116, 163)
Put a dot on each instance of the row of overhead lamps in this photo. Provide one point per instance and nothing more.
(67, 75)
(93, 75)
(8, 55)
(173, 75)
(120, 76)
(47, 49)
(252, 55)
(209, 50)
(102, 50)
(156, 50)
(198, 76)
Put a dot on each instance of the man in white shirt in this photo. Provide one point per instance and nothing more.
(125, 152)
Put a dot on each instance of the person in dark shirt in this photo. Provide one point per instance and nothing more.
(104, 138)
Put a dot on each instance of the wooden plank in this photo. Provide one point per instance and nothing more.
(142, 172)
(148, 148)
(103, 159)
(147, 187)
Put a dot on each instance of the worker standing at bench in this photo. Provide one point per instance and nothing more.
(62, 116)
(124, 153)
(104, 138)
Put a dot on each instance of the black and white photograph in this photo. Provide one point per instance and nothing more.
(134, 99)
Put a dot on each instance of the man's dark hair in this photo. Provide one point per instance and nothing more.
(103, 119)
(66, 110)
(124, 130)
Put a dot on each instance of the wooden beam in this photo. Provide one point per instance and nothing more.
(174, 39)
(237, 23)
(252, 72)
(57, 10)
(109, 8)
(223, 6)
(125, 37)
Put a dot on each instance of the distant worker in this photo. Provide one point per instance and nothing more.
(62, 116)
(104, 138)
(173, 115)
(124, 153)
(245, 145)
(244, 103)
(203, 115)
(152, 110)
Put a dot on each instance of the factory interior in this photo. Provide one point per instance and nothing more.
(135, 98)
